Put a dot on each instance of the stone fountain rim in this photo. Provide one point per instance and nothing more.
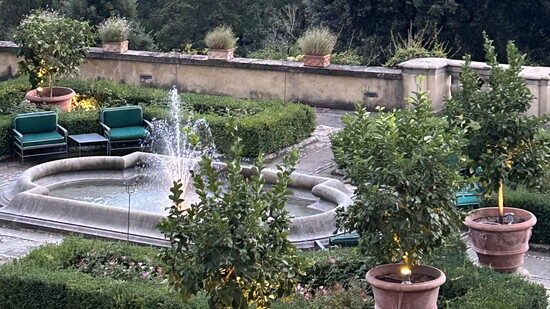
(26, 196)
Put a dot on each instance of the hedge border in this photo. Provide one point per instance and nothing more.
(264, 125)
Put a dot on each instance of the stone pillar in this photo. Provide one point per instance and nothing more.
(436, 79)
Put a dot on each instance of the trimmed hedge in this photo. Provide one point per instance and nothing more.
(264, 125)
(12, 92)
(535, 202)
(467, 286)
(23, 286)
(6, 136)
(46, 279)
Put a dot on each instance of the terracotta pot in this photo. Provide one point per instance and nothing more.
(316, 61)
(500, 246)
(61, 97)
(221, 54)
(115, 47)
(389, 295)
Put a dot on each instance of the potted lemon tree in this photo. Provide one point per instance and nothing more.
(221, 43)
(505, 148)
(114, 34)
(401, 163)
(317, 45)
(51, 45)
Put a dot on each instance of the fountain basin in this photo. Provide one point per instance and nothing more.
(28, 201)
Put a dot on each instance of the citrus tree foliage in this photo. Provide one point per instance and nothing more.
(51, 44)
(233, 241)
(404, 165)
(506, 144)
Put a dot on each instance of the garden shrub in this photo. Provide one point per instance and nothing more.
(12, 93)
(535, 202)
(6, 136)
(46, 278)
(23, 286)
(264, 125)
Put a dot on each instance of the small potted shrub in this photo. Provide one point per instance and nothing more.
(51, 45)
(317, 44)
(504, 148)
(114, 34)
(401, 165)
(221, 43)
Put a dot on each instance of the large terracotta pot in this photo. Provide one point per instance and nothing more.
(500, 246)
(60, 97)
(389, 295)
(316, 61)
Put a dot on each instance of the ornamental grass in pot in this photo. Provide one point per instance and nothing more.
(221, 43)
(51, 45)
(317, 45)
(114, 34)
(400, 164)
(505, 147)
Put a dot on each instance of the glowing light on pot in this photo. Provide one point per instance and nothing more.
(406, 274)
(39, 91)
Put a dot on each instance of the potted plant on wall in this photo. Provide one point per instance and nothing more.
(221, 43)
(317, 44)
(51, 45)
(114, 34)
(400, 164)
(504, 149)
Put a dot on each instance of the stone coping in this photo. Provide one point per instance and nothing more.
(241, 63)
(455, 66)
(27, 202)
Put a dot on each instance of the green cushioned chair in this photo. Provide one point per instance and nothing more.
(38, 134)
(124, 127)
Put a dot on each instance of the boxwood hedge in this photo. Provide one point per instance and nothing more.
(47, 278)
(264, 125)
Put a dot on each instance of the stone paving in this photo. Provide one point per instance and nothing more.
(315, 158)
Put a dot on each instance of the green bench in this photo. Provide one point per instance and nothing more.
(38, 134)
(124, 127)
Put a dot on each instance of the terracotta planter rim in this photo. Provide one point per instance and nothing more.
(398, 287)
(113, 42)
(33, 97)
(530, 219)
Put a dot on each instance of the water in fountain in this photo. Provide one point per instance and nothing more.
(181, 140)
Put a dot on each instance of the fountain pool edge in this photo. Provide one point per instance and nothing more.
(27, 203)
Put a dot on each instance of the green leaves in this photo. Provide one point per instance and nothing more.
(232, 242)
(51, 45)
(405, 166)
(503, 141)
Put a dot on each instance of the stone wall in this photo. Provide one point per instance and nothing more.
(336, 86)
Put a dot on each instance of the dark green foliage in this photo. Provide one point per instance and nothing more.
(25, 286)
(400, 164)
(80, 122)
(264, 125)
(504, 142)
(467, 285)
(51, 45)
(535, 202)
(6, 136)
(233, 241)
(12, 92)
(110, 93)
